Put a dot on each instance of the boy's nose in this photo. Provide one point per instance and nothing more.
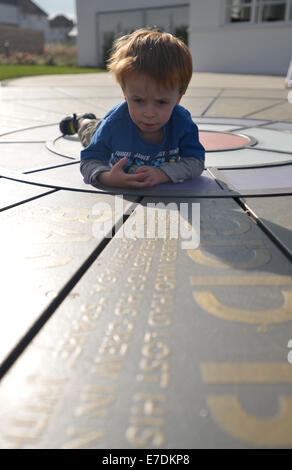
(149, 111)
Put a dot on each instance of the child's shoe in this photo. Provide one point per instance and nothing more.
(70, 125)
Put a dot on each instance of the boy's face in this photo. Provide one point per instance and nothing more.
(150, 105)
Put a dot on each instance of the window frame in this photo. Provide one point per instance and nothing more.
(256, 9)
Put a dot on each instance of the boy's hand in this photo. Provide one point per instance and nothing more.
(144, 176)
(152, 175)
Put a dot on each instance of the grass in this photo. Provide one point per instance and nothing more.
(17, 71)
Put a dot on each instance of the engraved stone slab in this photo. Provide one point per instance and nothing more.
(158, 346)
(43, 244)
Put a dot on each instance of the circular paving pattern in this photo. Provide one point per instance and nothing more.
(243, 158)
(222, 141)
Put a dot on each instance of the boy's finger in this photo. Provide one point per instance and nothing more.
(142, 175)
(133, 177)
(139, 184)
(120, 163)
(136, 182)
(142, 169)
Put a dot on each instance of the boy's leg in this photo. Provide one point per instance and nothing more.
(87, 128)
(70, 124)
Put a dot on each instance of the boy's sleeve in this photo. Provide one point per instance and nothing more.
(91, 168)
(187, 168)
(100, 145)
(191, 151)
(189, 145)
(95, 157)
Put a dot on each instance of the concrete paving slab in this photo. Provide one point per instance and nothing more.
(31, 134)
(26, 111)
(231, 121)
(68, 145)
(215, 127)
(27, 156)
(276, 217)
(245, 158)
(275, 177)
(236, 107)
(280, 112)
(100, 106)
(60, 107)
(30, 93)
(12, 192)
(197, 91)
(237, 81)
(112, 90)
(284, 126)
(196, 106)
(11, 123)
(272, 139)
(4, 127)
(208, 80)
(65, 80)
(255, 93)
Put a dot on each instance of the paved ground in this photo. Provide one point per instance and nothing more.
(114, 341)
(210, 95)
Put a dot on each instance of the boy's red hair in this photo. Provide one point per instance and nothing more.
(162, 56)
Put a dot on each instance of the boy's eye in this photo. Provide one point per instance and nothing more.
(138, 100)
(162, 102)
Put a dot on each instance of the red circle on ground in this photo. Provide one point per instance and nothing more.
(213, 141)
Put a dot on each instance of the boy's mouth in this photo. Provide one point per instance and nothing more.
(148, 124)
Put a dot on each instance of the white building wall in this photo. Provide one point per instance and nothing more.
(215, 46)
(258, 50)
(93, 19)
(237, 47)
(9, 14)
(117, 24)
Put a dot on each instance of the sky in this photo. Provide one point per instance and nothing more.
(54, 7)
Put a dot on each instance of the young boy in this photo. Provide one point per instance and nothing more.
(149, 138)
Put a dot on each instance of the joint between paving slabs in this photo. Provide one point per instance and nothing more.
(48, 312)
(252, 215)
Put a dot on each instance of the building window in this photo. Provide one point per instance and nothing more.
(238, 10)
(270, 10)
(258, 11)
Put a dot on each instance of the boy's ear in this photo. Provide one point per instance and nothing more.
(179, 98)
